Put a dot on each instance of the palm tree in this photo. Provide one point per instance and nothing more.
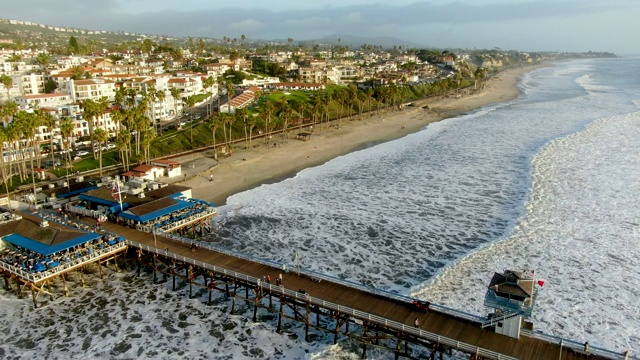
(315, 110)
(243, 116)
(301, 107)
(13, 135)
(175, 94)
(3, 140)
(147, 137)
(214, 124)
(20, 122)
(191, 102)
(230, 120)
(141, 123)
(123, 140)
(30, 123)
(252, 124)
(101, 138)
(267, 109)
(66, 130)
(230, 92)
(103, 105)
(160, 96)
(369, 93)
(91, 112)
(7, 81)
(50, 122)
(208, 83)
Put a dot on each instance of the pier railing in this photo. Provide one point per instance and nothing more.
(577, 346)
(357, 314)
(321, 276)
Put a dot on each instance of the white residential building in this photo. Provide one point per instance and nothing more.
(89, 89)
(29, 84)
(42, 100)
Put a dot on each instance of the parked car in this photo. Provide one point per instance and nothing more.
(82, 153)
(51, 163)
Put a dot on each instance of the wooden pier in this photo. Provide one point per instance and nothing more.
(376, 320)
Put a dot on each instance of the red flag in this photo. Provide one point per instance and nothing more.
(541, 283)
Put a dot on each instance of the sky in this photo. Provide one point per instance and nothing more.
(525, 25)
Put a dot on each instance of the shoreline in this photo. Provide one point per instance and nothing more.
(261, 164)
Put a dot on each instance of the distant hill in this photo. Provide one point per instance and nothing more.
(35, 33)
(357, 41)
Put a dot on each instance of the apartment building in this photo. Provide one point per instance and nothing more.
(42, 100)
(89, 89)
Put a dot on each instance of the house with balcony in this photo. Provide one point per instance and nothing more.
(29, 84)
(42, 100)
(89, 89)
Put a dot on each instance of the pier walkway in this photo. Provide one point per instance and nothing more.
(391, 314)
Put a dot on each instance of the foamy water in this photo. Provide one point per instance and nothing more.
(527, 184)
(580, 232)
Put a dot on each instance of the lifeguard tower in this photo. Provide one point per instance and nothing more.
(512, 296)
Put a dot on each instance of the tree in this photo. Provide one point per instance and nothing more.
(147, 137)
(50, 86)
(123, 140)
(230, 120)
(74, 47)
(214, 124)
(77, 73)
(7, 81)
(230, 92)
(175, 94)
(243, 116)
(8, 111)
(208, 83)
(3, 171)
(50, 122)
(66, 130)
(101, 137)
(92, 110)
(480, 74)
(191, 102)
(29, 123)
(146, 46)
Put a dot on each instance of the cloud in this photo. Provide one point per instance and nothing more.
(419, 19)
(246, 25)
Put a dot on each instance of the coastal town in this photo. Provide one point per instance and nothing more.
(118, 154)
(79, 104)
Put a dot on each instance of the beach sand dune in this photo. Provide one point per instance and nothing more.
(264, 163)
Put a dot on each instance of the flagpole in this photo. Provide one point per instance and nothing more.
(118, 188)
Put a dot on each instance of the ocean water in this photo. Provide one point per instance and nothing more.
(548, 181)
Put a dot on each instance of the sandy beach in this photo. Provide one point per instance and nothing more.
(249, 168)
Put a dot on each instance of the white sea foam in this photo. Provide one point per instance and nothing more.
(579, 232)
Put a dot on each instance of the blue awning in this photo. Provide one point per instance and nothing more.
(156, 214)
(45, 249)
